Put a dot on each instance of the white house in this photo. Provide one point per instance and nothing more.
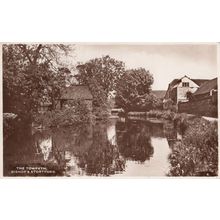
(178, 88)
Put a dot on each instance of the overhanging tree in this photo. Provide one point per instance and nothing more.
(30, 73)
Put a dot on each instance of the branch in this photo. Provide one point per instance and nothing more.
(23, 47)
(37, 53)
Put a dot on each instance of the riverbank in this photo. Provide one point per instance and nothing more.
(197, 153)
(178, 119)
(167, 115)
(160, 114)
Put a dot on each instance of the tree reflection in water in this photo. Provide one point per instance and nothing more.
(101, 157)
(86, 149)
(134, 141)
(102, 149)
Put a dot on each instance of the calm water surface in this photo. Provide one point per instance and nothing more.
(116, 148)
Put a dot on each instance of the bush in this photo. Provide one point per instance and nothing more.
(181, 121)
(170, 105)
(10, 121)
(78, 113)
(100, 113)
(167, 115)
(197, 154)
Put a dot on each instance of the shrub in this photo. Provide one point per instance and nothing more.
(197, 154)
(77, 113)
(100, 113)
(154, 114)
(10, 121)
(167, 115)
(181, 121)
(169, 105)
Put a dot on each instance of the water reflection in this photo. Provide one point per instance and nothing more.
(134, 141)
(116, 148)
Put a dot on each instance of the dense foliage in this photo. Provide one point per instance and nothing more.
(101, 75)
(169, 105)
(149, 102)
(133, 90)
(31, 74)
(77, 113)
(9, 124)
(197, 154)
(167, 114)
(106, 71)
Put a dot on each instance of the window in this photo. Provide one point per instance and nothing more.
(185, 84)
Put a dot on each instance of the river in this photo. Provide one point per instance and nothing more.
(117, 148)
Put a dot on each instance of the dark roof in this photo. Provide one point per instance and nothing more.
(207, 87)
(76, 92)
(159, 93)
(170, 87)
(174, 82)
(199, 82)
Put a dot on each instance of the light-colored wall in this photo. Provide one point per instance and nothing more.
(181, 91)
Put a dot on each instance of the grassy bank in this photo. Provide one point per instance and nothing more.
(159, 114)
(197, 154)
(179, 119)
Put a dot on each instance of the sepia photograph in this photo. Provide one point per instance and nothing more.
(110, 110)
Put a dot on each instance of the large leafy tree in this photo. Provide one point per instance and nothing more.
(133, 89)
(105, 71)
(101, 75)
(31, 74)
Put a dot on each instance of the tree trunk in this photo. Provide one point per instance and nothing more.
(126, 116)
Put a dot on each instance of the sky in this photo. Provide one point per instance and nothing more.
(165, 62)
